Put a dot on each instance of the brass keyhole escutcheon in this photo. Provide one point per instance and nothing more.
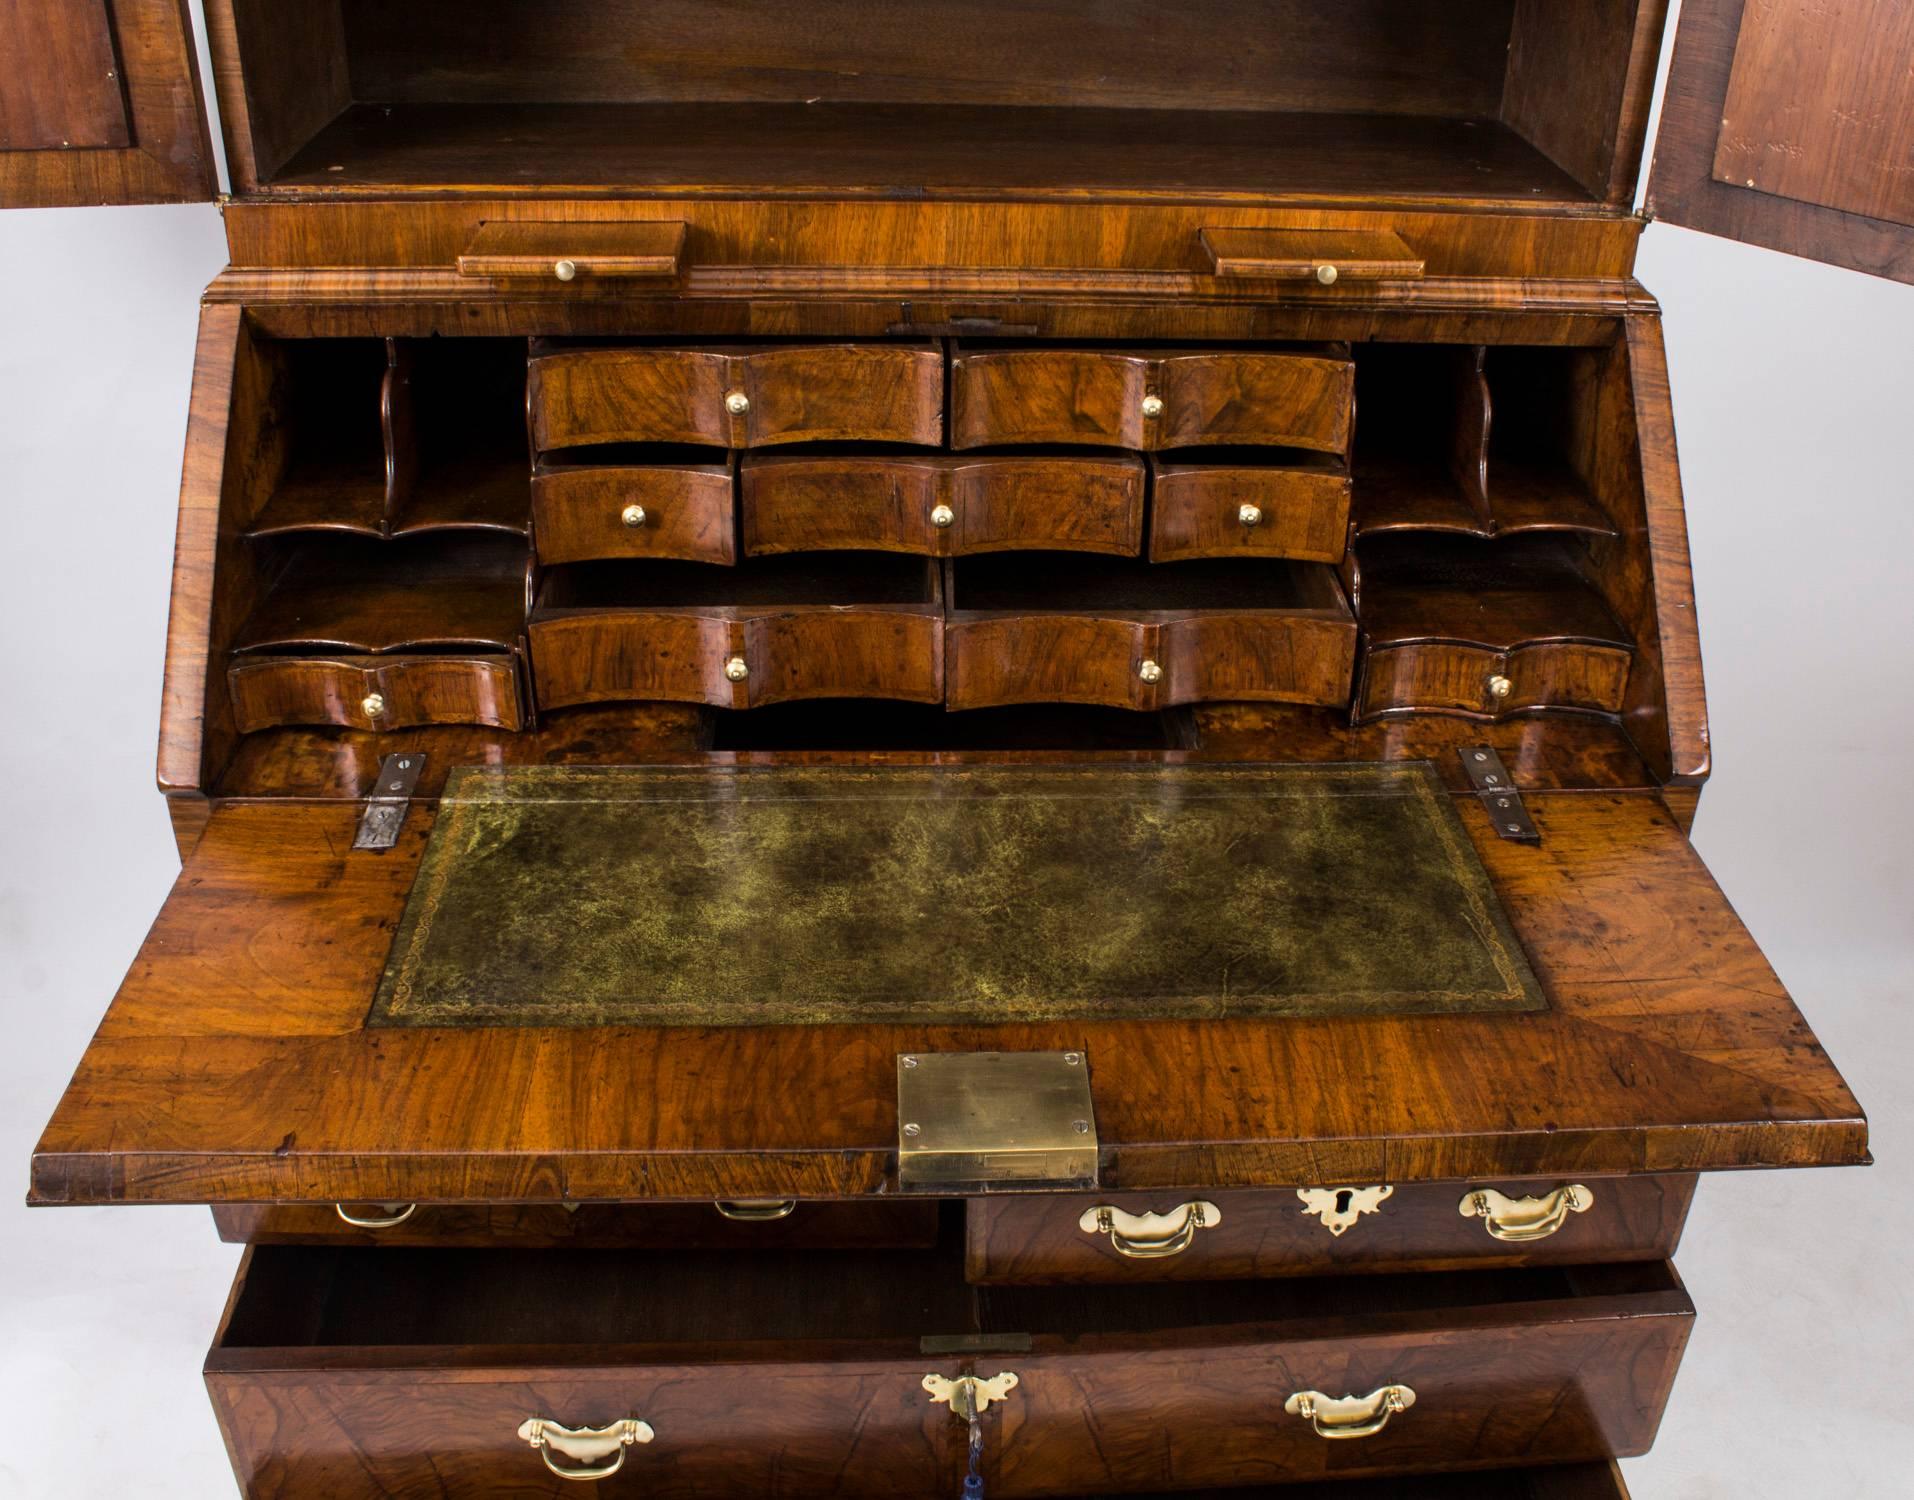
(633, 516)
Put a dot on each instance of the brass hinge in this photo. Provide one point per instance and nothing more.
(388, 800)
(1496, 788)
(968, 1395)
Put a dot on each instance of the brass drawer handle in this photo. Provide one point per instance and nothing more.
(1520, 1220)
(942, 517)
(396, 1214)
(1151, 1236)
(757, 1210)
(633, 516)
(737, 669)
(1350, 1416)
(588, 1446)
(1500, 687)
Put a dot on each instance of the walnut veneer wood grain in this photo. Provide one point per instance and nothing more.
(1150, 401)
(368, 1372)
(995, 504)
(235, 1064)
(799, 393)
(1021, 629)
(1445, 677)
(830, 626)
(812, 1225)
(371, 692)
(1197, 510)
(583, 512)
(1040, 1240)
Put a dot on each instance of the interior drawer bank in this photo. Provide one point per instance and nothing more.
(737, 396)
(348, 1372)
(770, 1223)
(1152, 399)
(819, 625)
(1129, 1237)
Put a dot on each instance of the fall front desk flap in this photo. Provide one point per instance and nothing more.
(588, 896)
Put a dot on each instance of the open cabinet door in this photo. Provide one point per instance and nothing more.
(100, 103)
(1790, 124)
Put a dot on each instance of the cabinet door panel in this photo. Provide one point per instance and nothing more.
(1790, 123)
(101, 104)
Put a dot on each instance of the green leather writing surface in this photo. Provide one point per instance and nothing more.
(574, 896)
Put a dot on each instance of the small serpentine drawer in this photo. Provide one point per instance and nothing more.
(1214, 1236)
(737, 396)
(374, 692)
(1153, 400)
(368, 1372)
(583, 513)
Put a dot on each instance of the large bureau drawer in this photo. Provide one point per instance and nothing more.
(362, 1372)
(753, 1224)
(1129, 1237)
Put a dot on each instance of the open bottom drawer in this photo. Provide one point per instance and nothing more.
(345, 1372)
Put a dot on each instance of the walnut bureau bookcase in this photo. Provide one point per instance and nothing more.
(945, 748)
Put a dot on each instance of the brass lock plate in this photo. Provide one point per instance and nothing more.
(983, 1122)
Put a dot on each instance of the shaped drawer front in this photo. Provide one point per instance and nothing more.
(349, 1372)
(942, 506)
(738, 398)
(1475, 682)
(367, 692)
(1244, 510)
(824, 625)
(1213, 1236)
(1115, 399)
(635, 510)
(766, 1224)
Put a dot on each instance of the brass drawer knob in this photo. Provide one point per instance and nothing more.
(737, 403)
(737, 669)
(757, 1210)
(633, 516)
(565, 270)
(1152, 406)
(1250, 515)
(1150, 1236)
(1327, 275)
(587, 1447)
(1519, 1221)
(942, 516)
(372, 705)
(1500, 687)
(1149, 671)
(1350, 1416)
(395, 1214)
